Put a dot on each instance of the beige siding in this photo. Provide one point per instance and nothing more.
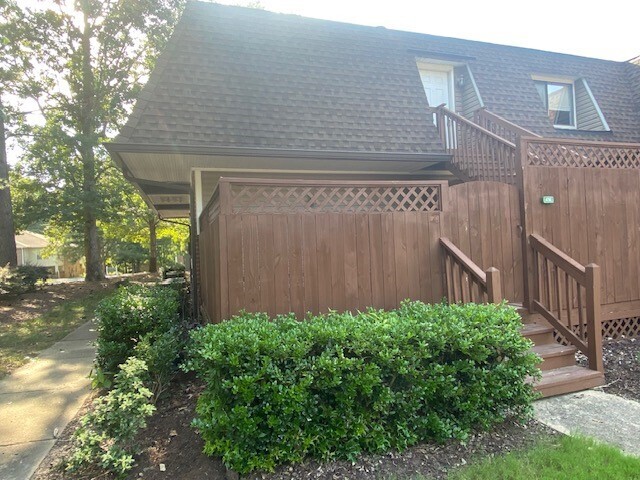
(588, 117)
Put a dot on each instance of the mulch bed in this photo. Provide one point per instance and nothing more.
(170, 443)
(171, 449)
(622, 367)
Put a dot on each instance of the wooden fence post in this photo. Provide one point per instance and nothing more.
(594, 319)
(494, 287)
(521, 159)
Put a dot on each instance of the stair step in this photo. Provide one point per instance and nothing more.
(555, 355)
(538, 334)
(568, 379)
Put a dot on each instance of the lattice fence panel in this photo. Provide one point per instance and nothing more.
(335, 199)
(582, 155)
(612, 329)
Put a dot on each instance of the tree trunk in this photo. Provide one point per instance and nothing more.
(88, 141)
(153, 246)
(8, 253)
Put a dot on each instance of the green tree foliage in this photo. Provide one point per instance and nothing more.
(94, 55)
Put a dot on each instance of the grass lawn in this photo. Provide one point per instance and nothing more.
(561, 458)
(26, 338)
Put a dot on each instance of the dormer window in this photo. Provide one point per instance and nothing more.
(569, 103)
(559, 101)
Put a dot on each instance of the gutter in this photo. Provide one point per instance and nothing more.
(116, 148)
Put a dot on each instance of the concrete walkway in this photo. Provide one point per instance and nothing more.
(39, 399)
(608, 418)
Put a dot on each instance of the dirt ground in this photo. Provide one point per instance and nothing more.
(29, 305)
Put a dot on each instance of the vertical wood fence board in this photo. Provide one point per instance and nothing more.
(377, 261)
(324, 262)
(296, 264)
(251, 264)
(413, 248)
(310, 260)
(436, 231)
(235, 258)
(425, 259)
(400, 256)
(338, 295)
(363, 260)
(350, 261)
(266, 264)
(388, 261)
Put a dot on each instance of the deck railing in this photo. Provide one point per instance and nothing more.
(500, 126)
(465, 281)
(476, 152)
(567, 295)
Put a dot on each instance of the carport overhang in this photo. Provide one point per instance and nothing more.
(167, 176)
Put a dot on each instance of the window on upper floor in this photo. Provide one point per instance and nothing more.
(570, 104)
(559, 101)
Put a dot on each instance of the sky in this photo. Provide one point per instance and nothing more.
(604, 29)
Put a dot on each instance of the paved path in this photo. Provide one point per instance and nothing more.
(40, 398)
(608, 418)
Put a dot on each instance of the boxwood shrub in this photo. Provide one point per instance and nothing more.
(132, 313)
(336, 385)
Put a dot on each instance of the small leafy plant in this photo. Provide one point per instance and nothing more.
(130, 314)
(338, 385)
(21, 279)
(106, 433)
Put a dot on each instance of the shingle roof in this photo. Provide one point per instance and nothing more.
(29, 239)
(238, 77)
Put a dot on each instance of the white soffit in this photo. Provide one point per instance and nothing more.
(176, 168)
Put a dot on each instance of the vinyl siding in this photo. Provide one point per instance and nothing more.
(467, 100)
(587, 114)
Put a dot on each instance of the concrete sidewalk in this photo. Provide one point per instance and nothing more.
(605, 417)
(39, 399)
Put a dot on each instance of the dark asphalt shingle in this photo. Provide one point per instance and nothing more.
(239, 77)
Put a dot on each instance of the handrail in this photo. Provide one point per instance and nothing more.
(475, 126)
(500, 125)
(567, 295)
(476, 153)
(462, 275)
(558, 257)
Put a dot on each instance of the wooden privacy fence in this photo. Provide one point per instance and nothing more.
(301, 245)
(595, 214)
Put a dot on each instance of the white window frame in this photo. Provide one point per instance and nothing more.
(562, 81)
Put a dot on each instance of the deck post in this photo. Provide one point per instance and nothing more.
(494, 287)
(594, 318)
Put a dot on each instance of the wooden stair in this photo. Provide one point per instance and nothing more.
(560, 374)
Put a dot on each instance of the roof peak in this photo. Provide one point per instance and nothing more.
(391, 31)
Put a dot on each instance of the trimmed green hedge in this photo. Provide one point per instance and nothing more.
(337, 385)
(131, 314)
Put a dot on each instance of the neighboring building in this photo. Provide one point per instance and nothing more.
(371, 165)
(30, 248)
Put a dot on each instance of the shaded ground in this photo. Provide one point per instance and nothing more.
(170, 441)
(30, 305)
(172, 449)
(622, 368)
(33, 321)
